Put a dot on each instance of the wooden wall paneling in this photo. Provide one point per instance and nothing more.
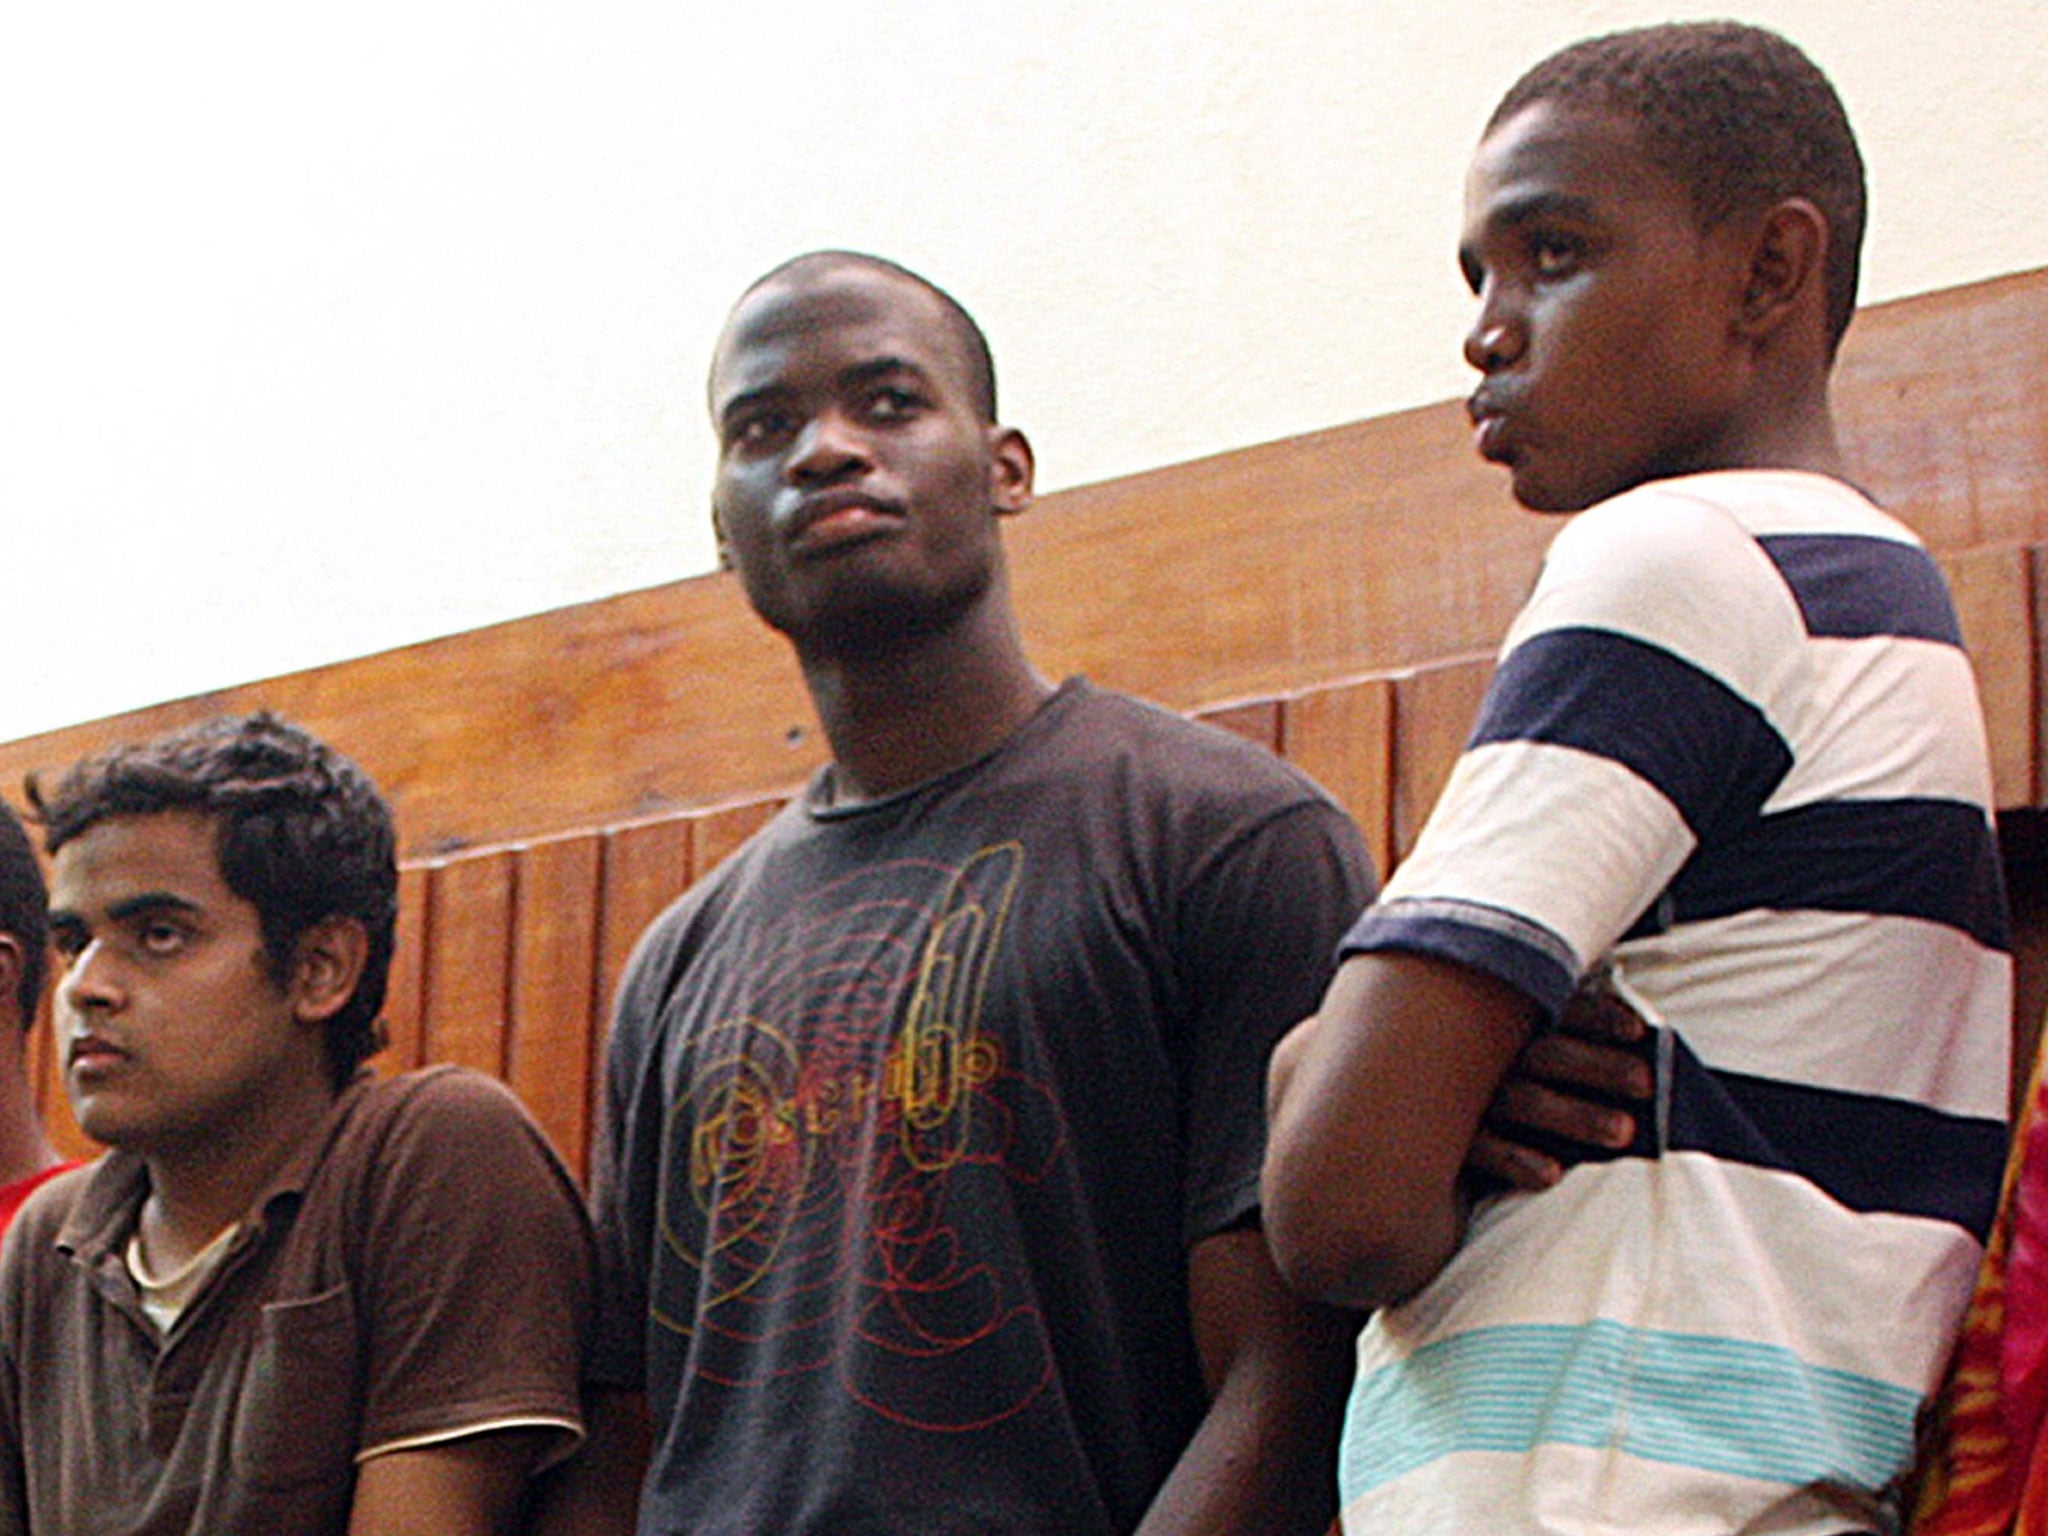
(1257, 572)
(716, 833)
(554, 988)
(1939, 405)
(1343, 738)
(646, 866)
(469, 959)
(404, 996)
(1434, 708)
(1994, 595)
(1256, 720)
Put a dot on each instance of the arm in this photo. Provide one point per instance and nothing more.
(1278, 1369)
(1374, 1103)
(597, 1491)
(466, 1487)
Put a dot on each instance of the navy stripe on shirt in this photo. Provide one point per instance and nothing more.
(1852, 586)
(1931, 859)
(1868, 1152)
(1708, 750)
(1527, 956)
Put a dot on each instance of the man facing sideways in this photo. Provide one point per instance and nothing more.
(26, 1156)
(927, 1191)
(1732, 748)
(291, 1298)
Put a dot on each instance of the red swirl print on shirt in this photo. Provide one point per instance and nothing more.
(847, 1138)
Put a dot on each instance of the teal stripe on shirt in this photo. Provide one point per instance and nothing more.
(1719, 1405)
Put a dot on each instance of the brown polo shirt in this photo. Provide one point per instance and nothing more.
(420, 1271)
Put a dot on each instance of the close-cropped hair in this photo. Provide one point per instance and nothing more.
(24, 909)
(302, 835)
(967, 332)
(1739, 115)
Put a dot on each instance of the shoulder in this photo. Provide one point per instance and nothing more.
(1169, 754)
(440, 1113)
(1202, 800)
(1679, 566)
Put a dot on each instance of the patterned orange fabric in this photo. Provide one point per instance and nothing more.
(1987, 1471)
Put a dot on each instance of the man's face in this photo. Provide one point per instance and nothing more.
(171, 1026)
(857, 480)
(1605, 328)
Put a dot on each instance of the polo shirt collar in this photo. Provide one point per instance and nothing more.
(104, 1213)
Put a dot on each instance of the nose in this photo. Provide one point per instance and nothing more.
(829, 447)
(1497, 337)
(89, 982)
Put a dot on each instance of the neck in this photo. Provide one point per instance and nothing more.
(24, 1149)
(197, 1188)
(1789, 427)
(900, 715)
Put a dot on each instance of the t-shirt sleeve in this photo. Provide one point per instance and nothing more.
(478, 1260)
(1628, 720)
(1261, 922)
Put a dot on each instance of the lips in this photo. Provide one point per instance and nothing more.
(89, 1054)
(830, 519)
(1490, 427)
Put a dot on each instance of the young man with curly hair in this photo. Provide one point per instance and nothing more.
(291, 1297)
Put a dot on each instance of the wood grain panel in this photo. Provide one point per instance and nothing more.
(716, 833)
(1343, 738)
(469, 960)
(404, 997)
(646, 867)
(1256, 720)
(1994, 591)
(1938, 399)
(1434, 708)
(554, 1000)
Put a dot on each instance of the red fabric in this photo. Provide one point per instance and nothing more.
(1987, 1474)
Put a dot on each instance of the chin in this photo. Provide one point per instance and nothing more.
(1551, 500)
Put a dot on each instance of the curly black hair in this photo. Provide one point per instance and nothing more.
(303, 835)
(24, 909)
(1739, 115)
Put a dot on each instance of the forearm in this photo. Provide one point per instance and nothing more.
(1264, 1462)
(1373, 1106)
(1278, 1368)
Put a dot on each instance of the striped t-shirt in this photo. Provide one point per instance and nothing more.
(1733, 745)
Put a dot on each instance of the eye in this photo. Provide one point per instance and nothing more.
(1555, 255)
(761, 428)
(67, 940)
(160, 937)
(890, 403)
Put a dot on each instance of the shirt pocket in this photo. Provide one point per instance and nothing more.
(301, 1394)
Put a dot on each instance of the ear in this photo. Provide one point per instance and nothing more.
(1011, 467)
(328, 964)
(1786, 273)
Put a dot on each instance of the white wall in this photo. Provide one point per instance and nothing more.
(326, 330)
